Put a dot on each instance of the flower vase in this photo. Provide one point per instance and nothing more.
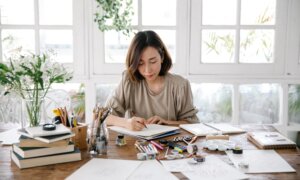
(32, 112)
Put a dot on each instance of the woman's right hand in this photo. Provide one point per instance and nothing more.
(136, 123)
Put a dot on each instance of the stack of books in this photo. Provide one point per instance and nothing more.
(38, 147)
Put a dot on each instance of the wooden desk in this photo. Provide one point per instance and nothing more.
(8, 170)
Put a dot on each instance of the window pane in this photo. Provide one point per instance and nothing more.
(17, 11)
(218, 46)
(219, 12)
(169, 39)
(214, 101)
(116, 46)
(103, 91)
(257, 46)
(17, 40)
(294, 104)
(256, 12)
(158, 12)
(259, 104)
(55, 12)
(61, 41)
(134, 20)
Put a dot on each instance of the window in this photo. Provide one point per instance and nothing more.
(35, 28)
(237, 37)
(111, 58)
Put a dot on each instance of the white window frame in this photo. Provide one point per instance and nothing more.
(196, 67)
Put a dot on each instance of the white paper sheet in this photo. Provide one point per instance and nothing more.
(212, 168)
(151, 170)
(105, 169)
(177, 165)
(9, 137)
(261, 161)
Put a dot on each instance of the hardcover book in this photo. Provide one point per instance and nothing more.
(270, 140)
(45, 160)
(29, 152)
(30, 142)
(47, 139)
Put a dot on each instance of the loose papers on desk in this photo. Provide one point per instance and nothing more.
(9, 137)
(213, 168)
(261, 161)
(152, 131)
(121, 169)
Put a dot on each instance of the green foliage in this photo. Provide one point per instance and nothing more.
(114, 15)
(294, 101)
(30, 76)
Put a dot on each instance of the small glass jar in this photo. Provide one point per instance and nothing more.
(120, 141)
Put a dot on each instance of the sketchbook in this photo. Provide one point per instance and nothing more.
(152, 131)
(203, 129)
(38, 131)
(270, 140)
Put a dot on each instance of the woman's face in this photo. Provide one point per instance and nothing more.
(150, 64)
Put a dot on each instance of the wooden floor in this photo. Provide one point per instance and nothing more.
(8, 170)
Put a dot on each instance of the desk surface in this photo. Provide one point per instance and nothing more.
(8, 170)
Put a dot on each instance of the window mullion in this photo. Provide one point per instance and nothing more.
(237, 33)
(36, 26)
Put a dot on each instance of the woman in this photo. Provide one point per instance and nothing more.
(148, 91)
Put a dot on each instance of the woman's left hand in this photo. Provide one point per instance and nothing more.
(156, 120)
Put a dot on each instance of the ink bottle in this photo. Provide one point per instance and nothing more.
(120, 141)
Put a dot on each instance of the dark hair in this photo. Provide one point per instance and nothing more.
(140, 41)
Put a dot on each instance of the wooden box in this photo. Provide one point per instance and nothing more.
(80, 138)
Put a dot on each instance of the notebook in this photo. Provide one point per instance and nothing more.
(38, 131)
(270, 140)
(203, 129)
(152, 131)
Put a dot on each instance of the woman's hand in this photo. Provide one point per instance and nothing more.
(136, 123)
(156, 120)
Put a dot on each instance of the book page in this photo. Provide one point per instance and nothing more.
(225, 128)
(261, 161)
(105, 169)
(199, 129)
(151, 130)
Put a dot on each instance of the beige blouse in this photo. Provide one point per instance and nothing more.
(174, 102)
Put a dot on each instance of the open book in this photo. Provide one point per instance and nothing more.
(203, 129)
(270, 140)
(153, 131)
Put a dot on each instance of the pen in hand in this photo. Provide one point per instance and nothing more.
(143, 123)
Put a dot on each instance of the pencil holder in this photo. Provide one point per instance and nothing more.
(79, 139)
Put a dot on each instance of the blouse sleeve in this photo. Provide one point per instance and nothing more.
(117, 101)
(185, 107)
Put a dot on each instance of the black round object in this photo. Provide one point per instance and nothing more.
(49, 127)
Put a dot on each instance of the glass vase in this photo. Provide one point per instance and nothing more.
(32, 112)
